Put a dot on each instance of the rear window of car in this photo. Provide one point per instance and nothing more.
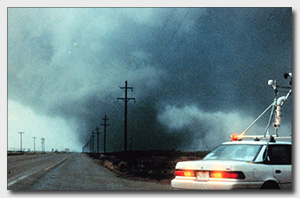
(238, 152)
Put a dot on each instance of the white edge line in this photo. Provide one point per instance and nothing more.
(20, 178)
(24, 176)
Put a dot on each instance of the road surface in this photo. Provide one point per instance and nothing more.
(68, 172)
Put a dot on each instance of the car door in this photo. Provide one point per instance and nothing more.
(279, 157)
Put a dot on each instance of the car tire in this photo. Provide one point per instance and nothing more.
(270, 185)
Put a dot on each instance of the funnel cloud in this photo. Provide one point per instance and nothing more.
(198, 74)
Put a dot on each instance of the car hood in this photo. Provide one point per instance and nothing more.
(209, 165)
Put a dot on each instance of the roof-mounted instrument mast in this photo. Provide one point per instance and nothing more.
(276, 106)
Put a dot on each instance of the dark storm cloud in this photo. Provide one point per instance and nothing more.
(191, 68)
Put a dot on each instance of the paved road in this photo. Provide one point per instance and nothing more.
(75, 172)
(23, 170)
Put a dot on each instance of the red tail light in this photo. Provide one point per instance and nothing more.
(212, 174)
(226, 175)
(185, 173)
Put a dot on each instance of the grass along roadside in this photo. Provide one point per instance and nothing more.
(158, 165)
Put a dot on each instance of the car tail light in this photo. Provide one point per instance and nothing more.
(185, 173)
(226, 175)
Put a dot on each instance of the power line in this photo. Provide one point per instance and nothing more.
(172, 37)
(126, 100)
(180, 23)
(164, 25)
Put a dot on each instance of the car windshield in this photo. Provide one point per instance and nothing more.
(240, 152)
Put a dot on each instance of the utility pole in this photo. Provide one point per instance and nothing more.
(90, 145)
(93, 142)
(34, 144)
(86, 144)
(130, 143)
(105, 125)
(97, 133)
(21, 133)
(126, 99)
(43, 144)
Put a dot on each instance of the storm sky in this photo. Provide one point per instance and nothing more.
(198, 74)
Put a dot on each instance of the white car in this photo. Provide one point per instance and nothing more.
(247, 164)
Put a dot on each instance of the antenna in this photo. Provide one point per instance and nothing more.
(279, 102)
(276, 106)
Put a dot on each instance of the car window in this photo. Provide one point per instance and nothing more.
(279, 154)
(240, 152)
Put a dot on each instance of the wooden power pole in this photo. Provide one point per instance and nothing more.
(104, 139)
(126, 100)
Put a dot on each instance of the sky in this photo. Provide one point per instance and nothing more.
(198, 74)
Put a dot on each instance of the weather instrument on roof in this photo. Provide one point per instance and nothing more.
(276, 107)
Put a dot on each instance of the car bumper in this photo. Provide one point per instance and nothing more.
(213, 185)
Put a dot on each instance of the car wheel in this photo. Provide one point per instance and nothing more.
(270, 185)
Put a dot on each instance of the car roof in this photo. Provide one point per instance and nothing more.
(261, 142)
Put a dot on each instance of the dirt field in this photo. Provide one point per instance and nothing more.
(146, 165)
